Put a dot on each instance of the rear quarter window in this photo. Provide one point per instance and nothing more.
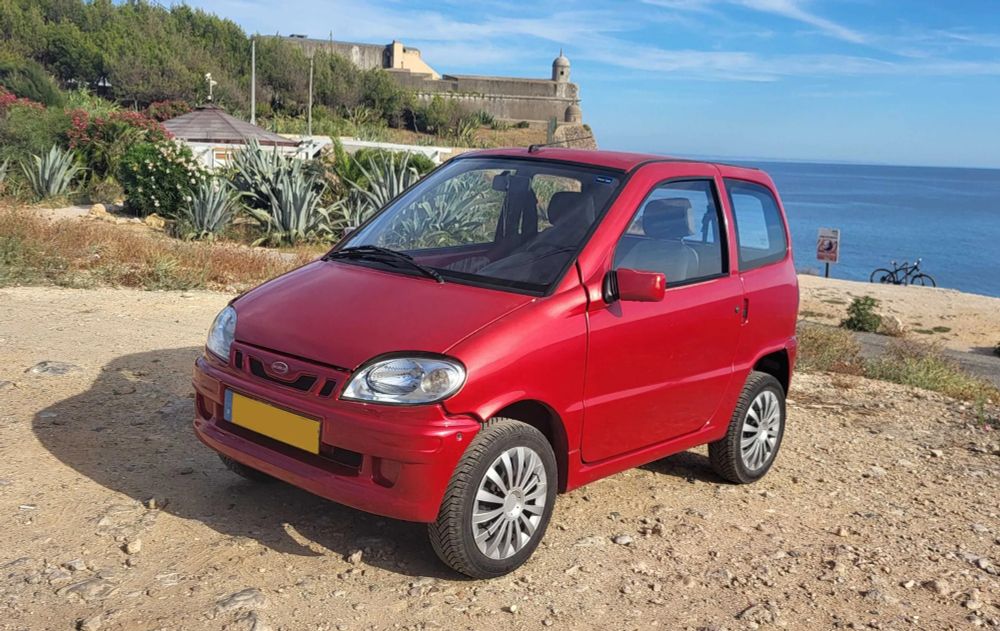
(760, 231)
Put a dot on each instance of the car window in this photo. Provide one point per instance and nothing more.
(760, 232)
(676, 231)
(503, 222)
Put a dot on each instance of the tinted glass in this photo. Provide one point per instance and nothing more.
(510, 223)
(760, 233)
(676, 232)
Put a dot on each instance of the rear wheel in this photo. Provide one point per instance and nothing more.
(882, 275)
(755, 431)
(498, 502)
(244, 471)
(923, 280)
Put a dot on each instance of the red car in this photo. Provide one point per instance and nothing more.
(520, 322)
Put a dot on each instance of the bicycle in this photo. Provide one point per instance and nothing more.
(905, 274)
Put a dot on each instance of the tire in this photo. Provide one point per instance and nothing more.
(727, 456)
(882, 275)
(526, 506)
(244, 471)
(923, 280)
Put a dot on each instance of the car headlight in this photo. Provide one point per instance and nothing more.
(406, 380)
(220, 336)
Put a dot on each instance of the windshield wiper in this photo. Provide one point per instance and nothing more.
(374, 252)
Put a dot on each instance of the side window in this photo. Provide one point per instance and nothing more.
(676, 232)
(760, 233)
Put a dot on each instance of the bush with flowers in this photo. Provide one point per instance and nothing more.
(103, 140)
(159, 177)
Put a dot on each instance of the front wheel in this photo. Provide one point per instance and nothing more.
(923, 280)
(882, 275)
(498, 502)
(755, 431)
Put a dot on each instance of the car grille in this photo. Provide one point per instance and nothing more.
(300, 375)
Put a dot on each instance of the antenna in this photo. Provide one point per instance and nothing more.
(535, 148)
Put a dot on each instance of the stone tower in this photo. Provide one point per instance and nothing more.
(560, 68)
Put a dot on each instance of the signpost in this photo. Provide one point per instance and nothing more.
(828, 247)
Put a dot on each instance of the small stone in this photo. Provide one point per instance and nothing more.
(908, 584)
(90, 589)
(151, 503)
(99, 211)
(843, 531)
(58, 576)
(354, 558)
(548, 622)
(511, 609)
(622, 540)
(6, 385)
(937, 453)
(91, 623)
(973, 605)
(938, 586)
(250, 598)
(155, 221)
(133, 547)
(76, 565)
(52, 369)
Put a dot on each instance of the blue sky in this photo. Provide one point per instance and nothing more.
(880, 81)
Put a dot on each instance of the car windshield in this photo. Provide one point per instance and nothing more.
(509, 223)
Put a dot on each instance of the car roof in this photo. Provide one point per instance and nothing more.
(618, 160)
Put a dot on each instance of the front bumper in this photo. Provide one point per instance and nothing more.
(394, 461)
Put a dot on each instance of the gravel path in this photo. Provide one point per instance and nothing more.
(881, 512)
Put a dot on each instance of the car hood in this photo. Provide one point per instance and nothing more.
(344, 314)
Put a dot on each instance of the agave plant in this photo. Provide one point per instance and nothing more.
(210, 209)
(385, 178)
(293, 212)
(52, 174)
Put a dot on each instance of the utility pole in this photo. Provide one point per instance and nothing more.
(309, 119)
(253, 81)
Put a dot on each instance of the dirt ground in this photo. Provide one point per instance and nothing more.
(965, 322)
(881, 511)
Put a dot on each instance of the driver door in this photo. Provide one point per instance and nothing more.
(657, 370)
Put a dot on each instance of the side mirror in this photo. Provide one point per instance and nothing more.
(634, 286)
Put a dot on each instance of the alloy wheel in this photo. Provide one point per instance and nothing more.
(761, 427)
(509, 504)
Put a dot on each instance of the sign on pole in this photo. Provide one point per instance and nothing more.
(828, 247)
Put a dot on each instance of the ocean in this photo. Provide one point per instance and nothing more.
(949, 217)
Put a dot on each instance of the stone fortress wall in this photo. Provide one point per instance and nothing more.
(507, 98)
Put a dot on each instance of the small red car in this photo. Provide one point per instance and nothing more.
(519, 322)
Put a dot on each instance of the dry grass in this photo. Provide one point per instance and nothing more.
(924, 365)
(89, 253)
(828, 349)
(831, 349)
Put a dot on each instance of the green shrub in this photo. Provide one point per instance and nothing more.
(436, 116)
(29, 129)
(861, 315)
(28, 79)
(159, 177)
(87, 101)
(52, 174)
(210, 211)
(105, 190)
(165, 110)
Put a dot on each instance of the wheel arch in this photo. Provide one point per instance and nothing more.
(777, 364)
(546, 420)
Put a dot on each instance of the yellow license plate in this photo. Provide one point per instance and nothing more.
(281, 425)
